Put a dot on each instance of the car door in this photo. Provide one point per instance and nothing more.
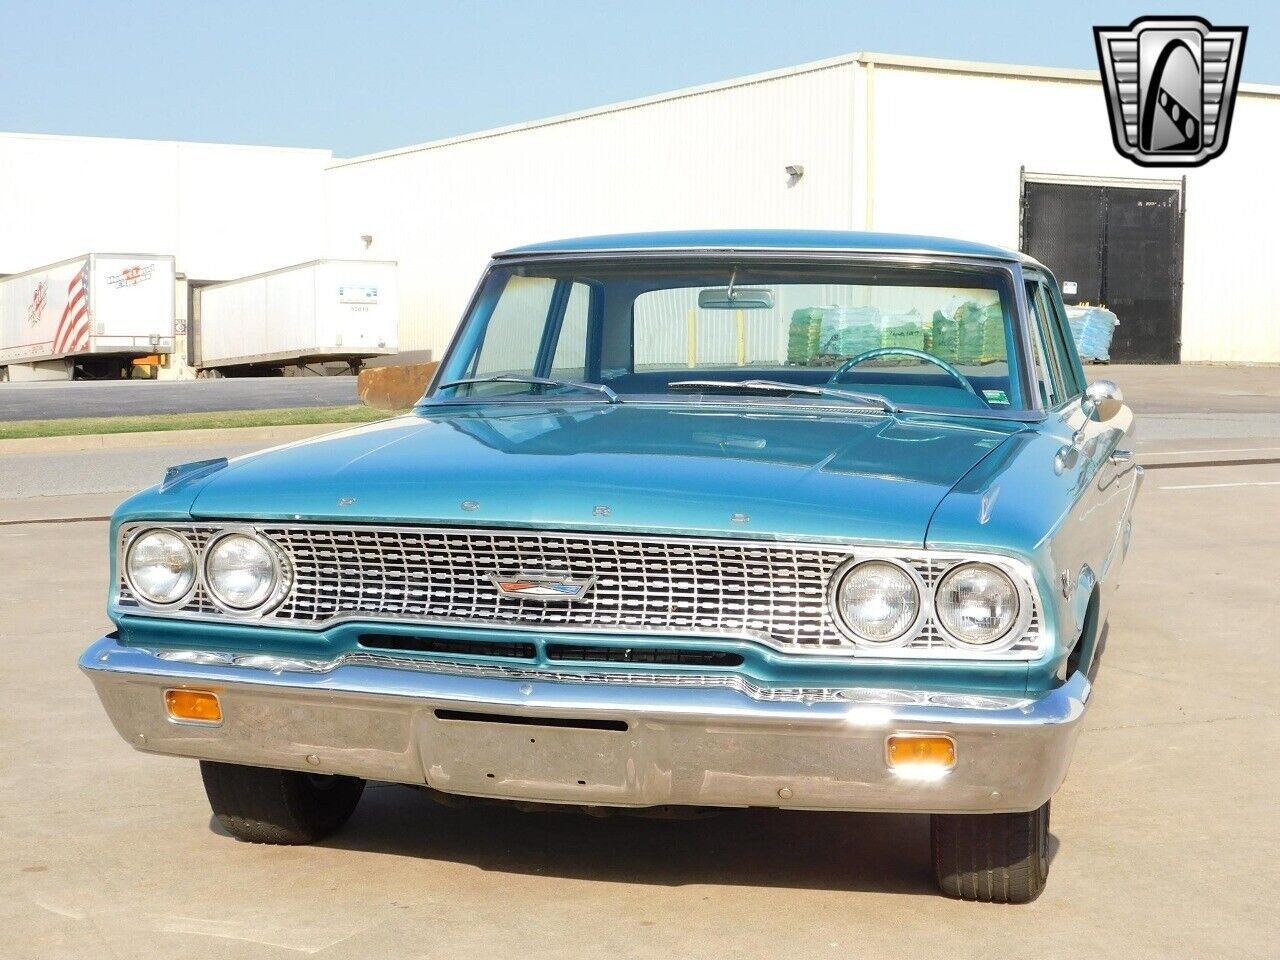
(1094, 537)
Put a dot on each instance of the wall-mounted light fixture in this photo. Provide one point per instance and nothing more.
(368, 240)
(794, 172)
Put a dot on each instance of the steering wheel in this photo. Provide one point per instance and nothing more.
(906, 352)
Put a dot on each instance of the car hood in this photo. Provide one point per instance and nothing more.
(766, 473)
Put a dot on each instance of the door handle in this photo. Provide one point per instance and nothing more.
(1120, 456)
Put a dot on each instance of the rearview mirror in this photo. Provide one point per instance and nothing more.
(735, 298)
(1102, 401)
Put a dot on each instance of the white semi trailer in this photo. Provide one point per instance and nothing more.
(317, 312)
(92, 314)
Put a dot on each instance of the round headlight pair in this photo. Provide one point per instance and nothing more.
(240, 570)
(881, 603)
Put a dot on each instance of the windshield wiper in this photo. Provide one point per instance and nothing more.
(537, 382)
(777, 386)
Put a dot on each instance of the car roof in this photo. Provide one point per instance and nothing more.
(780, 240)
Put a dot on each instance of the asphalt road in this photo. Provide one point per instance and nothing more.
(121, 398)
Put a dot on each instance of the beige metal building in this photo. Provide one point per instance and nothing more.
(1004, 154)
(1017, 156)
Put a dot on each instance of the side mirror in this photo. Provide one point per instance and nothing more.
(1102, 401)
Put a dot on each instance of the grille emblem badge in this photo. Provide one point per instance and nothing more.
(542, 586)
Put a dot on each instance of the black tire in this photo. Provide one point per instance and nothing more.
(994, 857)
(259, 805)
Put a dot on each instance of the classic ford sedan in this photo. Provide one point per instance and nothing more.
(812, 521)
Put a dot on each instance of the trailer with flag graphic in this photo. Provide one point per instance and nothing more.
(97, 312)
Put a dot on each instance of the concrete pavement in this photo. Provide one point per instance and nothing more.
(1164, 836)
(1165, 833)
(1205, 402)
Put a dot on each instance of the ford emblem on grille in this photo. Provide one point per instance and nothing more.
(546, 587)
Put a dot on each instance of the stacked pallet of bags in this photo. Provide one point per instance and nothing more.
(944, 337)
(804, 336)
(1092, 329)
(903, 330)
(849, 331)
(968, 333)
(981, 334)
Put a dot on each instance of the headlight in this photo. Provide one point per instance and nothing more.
(241, 571)
(877, 601)
(160, 566)
(977, 603)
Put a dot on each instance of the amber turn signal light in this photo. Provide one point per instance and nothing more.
(193, 705)
(920, 750)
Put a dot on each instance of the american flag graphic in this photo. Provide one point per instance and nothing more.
(73, 328)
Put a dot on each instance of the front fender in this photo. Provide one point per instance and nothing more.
(1025, 500)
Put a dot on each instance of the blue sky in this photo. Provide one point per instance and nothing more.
(357, 77)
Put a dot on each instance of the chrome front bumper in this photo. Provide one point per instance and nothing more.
(594, 740)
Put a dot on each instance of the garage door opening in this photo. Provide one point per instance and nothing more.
(1118, 244)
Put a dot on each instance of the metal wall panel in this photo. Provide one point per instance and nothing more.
(222, 211)
(705, 159)
(953, 170)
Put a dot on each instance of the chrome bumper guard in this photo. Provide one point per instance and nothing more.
(594, 740)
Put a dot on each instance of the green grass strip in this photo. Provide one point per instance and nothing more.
(212, 420)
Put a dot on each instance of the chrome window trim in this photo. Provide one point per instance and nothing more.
(793, 406)
(1019, 571)
(918, 254)
(1013, 267)
(123, 561)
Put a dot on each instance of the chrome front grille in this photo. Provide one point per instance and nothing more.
(774, 592)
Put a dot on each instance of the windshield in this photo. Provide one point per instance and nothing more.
(937, 337)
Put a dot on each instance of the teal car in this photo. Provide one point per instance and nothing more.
(800, 520)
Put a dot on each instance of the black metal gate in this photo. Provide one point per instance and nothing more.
(1118, 246)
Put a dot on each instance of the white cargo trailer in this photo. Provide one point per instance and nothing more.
(96, 312)
(326, 310)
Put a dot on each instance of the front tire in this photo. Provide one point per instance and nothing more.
(259, 805)
(993, 857)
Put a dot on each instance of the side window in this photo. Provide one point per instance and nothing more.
(515, 329)
(1048, 372)
(528, 321)
(570, 359)
(1059, 365)
(1069, 359)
